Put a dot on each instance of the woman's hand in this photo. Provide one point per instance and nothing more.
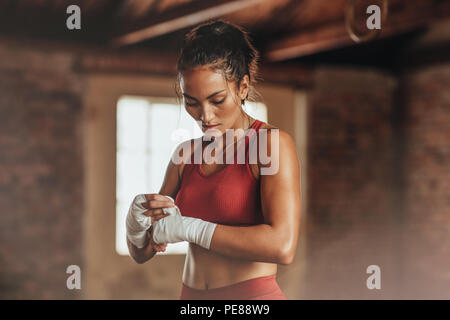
(155, 246)
(155, 203)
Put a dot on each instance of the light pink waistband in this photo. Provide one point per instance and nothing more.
(265, 287)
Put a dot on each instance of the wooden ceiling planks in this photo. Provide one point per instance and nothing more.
(284, 29)
(311, 13)
(256, 17)
(180, 17)
(334, 35)
(100, 10)
(163, 5)
(133, 9)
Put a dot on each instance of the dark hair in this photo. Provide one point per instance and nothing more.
(222, 46)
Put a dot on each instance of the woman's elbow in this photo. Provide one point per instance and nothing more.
(285, 258)
(134, 257)
(286, 253)
(137, 260)
(137, 254)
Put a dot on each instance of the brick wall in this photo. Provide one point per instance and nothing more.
(379, 191)
(426, 245)
(351, 217)
(41, 173)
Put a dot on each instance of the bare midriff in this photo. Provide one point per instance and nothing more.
(205, 269)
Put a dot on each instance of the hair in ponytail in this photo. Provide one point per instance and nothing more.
(221, 46)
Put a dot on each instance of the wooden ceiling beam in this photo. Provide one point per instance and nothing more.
(180, 17)
(150, 62)
(335, 35)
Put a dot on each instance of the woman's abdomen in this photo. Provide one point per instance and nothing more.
(206, 269)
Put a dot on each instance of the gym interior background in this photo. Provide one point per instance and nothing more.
(371, 122)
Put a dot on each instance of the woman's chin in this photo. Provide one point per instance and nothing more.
(213, 131)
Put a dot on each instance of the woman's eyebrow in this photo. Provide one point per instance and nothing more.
(211, 95)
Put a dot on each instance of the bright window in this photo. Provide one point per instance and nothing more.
(148, 131)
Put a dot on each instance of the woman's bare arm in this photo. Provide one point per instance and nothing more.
(276, 240)
(141, 255)
(170, 188)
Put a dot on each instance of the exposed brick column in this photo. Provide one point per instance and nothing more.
(351, 216)
(41, 174)
(427, 180)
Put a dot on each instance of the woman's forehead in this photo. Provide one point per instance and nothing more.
(203, 81)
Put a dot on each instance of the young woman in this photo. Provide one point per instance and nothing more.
(240, 223)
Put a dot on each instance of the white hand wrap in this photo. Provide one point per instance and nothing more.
(177, 228)
(138, 223)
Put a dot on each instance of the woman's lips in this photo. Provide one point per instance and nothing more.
(211, 126)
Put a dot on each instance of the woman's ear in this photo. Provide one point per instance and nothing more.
(244, 87)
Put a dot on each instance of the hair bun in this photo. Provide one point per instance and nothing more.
(223, 46)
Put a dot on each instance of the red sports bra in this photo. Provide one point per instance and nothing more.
(229, 196)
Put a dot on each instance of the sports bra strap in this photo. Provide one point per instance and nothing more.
(251, 140)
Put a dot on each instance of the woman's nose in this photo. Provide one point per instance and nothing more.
(207, 114)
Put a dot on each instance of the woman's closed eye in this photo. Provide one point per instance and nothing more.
(213, 102)
(191, 104)
(218, 102)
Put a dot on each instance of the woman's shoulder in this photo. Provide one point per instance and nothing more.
(284, 137)
(280, 150)
(276, 138)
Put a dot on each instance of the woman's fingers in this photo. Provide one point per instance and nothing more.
(155, 200)
(155, 204)
(158, 211)
(153, 212)
(158, 204)
(160, 247)
(155, 196)
(157, 217)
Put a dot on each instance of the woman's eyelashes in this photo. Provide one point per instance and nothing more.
(218, 102)
(213, 102)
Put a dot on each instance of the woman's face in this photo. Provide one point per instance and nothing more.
(211, 100)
